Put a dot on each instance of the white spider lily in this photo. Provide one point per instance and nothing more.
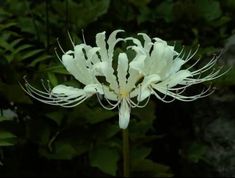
(154, 70)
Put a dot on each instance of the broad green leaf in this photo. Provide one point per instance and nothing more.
(214, 11)
(165, 10)
(52, 78)
(7, 138)
(56, 116)
(196, 152)
(143, 123)
(92, 115)
(38, 131)
(5, 134)
(105, 131)
(14, 93)
(98, 114)
(61, 151)
(89, 10)
(139, 152)
(226, 80)
(6, 143)
(149, 168)
(27, 24)
(5, 45)
(3, 118)
(105, 159)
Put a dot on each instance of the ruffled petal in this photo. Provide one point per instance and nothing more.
(161, 56)
(112, 41)
(147, 42)
(76, 65)
(101, 43)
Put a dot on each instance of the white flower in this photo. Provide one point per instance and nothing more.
(154, 70)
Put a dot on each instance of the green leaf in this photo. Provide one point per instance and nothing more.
(214, 11)
(98, 114)
(6, 143)
(227, 79)
(5, 134)
(143, 122)
(38, 131)
(7, 25)
(105, 131)
(89, 10)
(30, 53)
(22, 47)
(105, 159)
(7, 138)
(55, 69)
(140, 3)
(56, 116)
(39, 59)
(139, 152)
(92, 115)
(26, 24)
(61, 151)
(148, 168)
(52, 78)
(196, 152)
(15, 42)
(14, 93)
(165, 10)
(5, 45)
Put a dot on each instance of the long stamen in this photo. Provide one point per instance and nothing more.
(57, 39)
(71, 40)
(108, 108)
(57, 55)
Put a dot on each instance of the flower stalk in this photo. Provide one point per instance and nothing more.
(126, 153)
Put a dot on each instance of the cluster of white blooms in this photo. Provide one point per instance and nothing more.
(155, 69)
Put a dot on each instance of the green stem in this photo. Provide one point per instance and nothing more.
(126, 158)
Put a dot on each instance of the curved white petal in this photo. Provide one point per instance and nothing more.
(112, 41)
(93, 88)
(161, 56)
(76, 66)
(136, 70)
(68, 91)
(101, 43)
(92, 55)
(175, 79)
(124, 114)
(122, 70)
(147, 42)
(144, 90)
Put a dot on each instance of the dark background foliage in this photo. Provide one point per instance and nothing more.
(177, 139)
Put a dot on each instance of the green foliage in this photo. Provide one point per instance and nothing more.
(7, 138)
(88, 136)
(105, 159)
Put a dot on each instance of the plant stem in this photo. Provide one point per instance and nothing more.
(126, 158)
